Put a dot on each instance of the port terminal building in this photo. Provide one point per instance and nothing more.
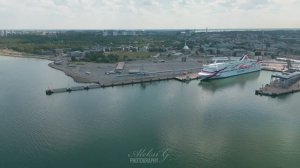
(284, 80)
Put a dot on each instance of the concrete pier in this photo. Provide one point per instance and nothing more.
(96, 86)
(274, 66)
(269, 90)
(282, 84)
(187, 77)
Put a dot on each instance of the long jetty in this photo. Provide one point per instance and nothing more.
(99, 85)
(76, 88)
(182, 75)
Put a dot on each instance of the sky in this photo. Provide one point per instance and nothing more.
(149, 14)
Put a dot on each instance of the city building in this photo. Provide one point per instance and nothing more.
(1, 33)
(115, 33)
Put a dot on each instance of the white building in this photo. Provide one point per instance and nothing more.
(1, 33)
(105, 33)
(5, 33)
(186, 47)
(144, 49)
(76, 54)
(115, 33)
(124, 33)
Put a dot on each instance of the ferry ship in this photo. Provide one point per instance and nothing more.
(227, 67)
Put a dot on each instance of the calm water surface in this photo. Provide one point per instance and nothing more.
(216, 124)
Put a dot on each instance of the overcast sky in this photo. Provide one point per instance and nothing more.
(148, 14)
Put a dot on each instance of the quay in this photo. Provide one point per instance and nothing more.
(280, 65)
(187, 77)
(281, 84)
(274, 66)
(189, 74)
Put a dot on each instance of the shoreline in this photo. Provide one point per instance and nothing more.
(11, 53)
(79, 75)
(75, 77)
(89, 72)
(96, 73)
(15, 54)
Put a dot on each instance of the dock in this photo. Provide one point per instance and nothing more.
(187, 77)
(281, 85)
(273, 91)
(274, 66)
(138, 77)
(99, 85)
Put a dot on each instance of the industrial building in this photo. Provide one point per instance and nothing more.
(285, 80)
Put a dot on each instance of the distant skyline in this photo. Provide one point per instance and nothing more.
(149, 14)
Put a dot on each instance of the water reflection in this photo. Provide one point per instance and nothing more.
(144, 85)
(285, 97)
(98, 127)
(220, 84)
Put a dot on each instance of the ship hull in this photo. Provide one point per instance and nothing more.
(230, 71)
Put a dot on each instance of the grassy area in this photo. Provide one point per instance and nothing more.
(131, 55)
(115, 56)
(74, 41)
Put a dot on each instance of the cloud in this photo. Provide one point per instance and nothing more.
(99, 14)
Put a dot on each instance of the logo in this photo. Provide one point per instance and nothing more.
(148, 156)
(243, 66)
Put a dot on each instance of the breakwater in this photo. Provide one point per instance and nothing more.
(99, 85)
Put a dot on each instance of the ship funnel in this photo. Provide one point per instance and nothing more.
(244, 57)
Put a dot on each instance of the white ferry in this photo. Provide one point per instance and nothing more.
(227, 67)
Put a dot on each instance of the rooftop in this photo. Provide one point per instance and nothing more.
(286, 75)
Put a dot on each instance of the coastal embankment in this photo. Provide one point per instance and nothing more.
(134, 72)
(270, 90)
(273, 65)
(12, 53)
(281, 84)
(105, 73)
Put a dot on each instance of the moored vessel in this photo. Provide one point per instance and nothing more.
(227, 67)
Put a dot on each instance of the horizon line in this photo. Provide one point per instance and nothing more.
(147, 29)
